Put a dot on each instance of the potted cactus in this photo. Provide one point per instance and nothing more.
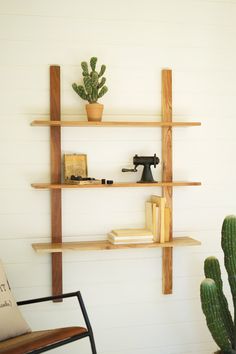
(93, 89)
(214, 303)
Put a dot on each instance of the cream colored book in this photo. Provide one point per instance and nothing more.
(130, 241)
(131, 232)
(149, 217)
(131, 237)
(160, 202)
(156, 226)
(152, 220)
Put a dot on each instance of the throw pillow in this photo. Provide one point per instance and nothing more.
(11, 321)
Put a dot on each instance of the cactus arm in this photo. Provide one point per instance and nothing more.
(84, 66)
(102, 82)
(102, 70)
(212, 270)
(228, 243)
(74, 86)
(94, 79)
(102, 92)
(80, 91)
(211, 309)
(93, 62)
(94, 95)
(88, 84)
(89, 99)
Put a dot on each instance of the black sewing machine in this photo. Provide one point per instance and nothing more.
(147, 162)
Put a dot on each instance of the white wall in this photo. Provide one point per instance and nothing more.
(136, 39)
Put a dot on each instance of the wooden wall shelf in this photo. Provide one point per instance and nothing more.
(106, 245)
(114, 185)
(61, 123)
(57, 246)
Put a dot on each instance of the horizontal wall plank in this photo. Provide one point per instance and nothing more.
(58, 29)
(209, 12)
(121, 270)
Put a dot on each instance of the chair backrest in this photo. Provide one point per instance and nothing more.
(16, 336)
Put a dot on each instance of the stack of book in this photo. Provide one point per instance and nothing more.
(157, 228)
(130, 236)
(158, 218)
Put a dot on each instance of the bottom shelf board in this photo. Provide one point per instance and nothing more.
(106, 245)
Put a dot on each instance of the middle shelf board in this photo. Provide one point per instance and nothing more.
(114, 185)
(106, 245)
(61, 123)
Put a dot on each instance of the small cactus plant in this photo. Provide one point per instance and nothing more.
(214, 303)
(93, 88)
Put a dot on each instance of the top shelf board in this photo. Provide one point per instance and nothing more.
(61, 123)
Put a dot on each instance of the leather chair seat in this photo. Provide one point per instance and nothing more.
(29, 342)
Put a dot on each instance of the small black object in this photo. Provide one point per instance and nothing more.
(146, 161)
(103, 181)
(76, 178)
(109, 181)
(79, 178)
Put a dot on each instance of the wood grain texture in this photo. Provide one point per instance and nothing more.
(55, 152)
(106, 245)
(167, 175)
(114, 185)
(46, 123)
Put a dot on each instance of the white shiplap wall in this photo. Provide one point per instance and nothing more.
(135, 39)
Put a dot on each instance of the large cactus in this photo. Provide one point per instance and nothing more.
(214, 302)
(93, 88)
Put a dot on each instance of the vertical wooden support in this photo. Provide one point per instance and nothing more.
(167, 174)
(55, 147)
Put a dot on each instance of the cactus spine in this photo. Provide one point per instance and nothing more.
(214, 303)
(94, 84)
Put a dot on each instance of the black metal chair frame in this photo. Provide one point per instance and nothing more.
(89, 332)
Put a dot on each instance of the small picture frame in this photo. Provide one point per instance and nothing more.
(75, 164)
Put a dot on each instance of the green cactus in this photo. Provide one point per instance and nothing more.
(93, 62)
(102, 71)
(214, 303)
(93, 82)
(102, 91)
(84, 66)
(211, 308)
(228, 244)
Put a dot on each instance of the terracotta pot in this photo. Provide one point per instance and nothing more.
(94, 112)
